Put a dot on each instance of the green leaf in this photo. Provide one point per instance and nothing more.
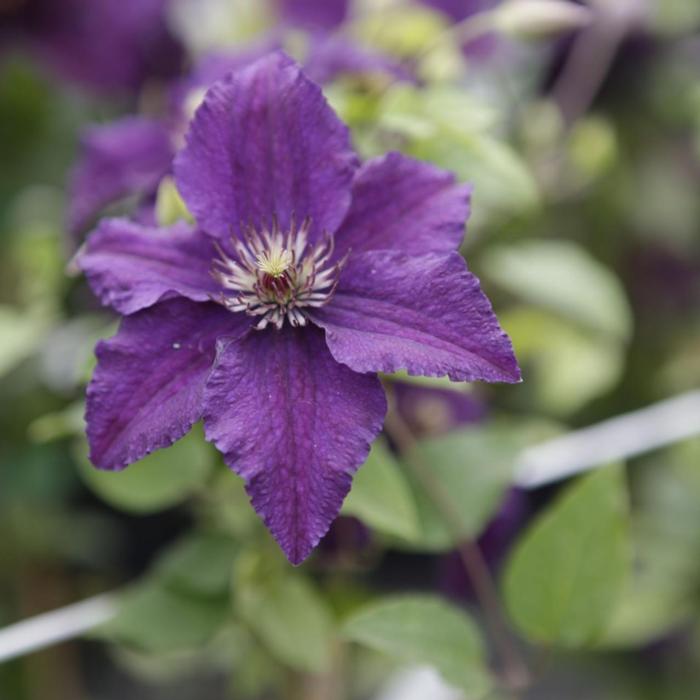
(403, 31)
(67, 422)
(661, 593)
(471, 468)
(457, 132)
(549, 347)
(155, 618)
(183, 602)
(199, 563)
(498, 170)
(161, 480)
(434, 110)
(673, 16)
(291, 618)
(562, 277)
(381, 497)
(648, 610)
(423, 630)
(566, 574)
(170, 207)
(21, 333)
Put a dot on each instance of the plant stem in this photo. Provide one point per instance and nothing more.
(591, 57)
(515, 672)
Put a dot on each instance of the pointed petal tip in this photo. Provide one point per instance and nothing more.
(99, 461)
(401, 203)
(298, 553)
(517, 375)
(511, 372)
(296, 545)
(507, 369)
(425, 314)
(267, 112)
(145, 392)
(296, 559)
(323, 416)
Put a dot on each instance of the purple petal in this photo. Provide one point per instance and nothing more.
(425, 314)
(146, 391)
(295, 425)
(406, 204)
(126, 157)
(216, 65)
(130, 266)
(314, 15)
(265, 143)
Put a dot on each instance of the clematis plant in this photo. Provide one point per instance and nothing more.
(131, 156)
(306, 274)
(106, 46)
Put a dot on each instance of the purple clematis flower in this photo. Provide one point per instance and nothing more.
(306, 274)
(106, 45)
(128, 156)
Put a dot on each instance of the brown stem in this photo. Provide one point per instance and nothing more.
(591, 57)
(515, 672)
(50, 672)
(329, 685)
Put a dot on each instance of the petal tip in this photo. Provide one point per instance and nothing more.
(267, 112)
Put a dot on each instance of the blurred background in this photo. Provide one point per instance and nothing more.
(450, 575)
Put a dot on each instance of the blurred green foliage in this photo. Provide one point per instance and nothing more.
(567, 571)
(425, 630)
(587, 237)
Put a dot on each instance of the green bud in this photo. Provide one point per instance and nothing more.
(593, 146)
(170, 206)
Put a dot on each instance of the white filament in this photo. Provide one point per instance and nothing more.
(277, 275)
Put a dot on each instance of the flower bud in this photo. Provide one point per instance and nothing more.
(170, 206)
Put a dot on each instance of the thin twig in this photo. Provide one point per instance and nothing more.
(516, 674)
(591, 57)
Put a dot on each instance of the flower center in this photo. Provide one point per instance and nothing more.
(275, 262)
(276, 275)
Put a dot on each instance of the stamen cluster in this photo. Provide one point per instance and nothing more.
(277, 275)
